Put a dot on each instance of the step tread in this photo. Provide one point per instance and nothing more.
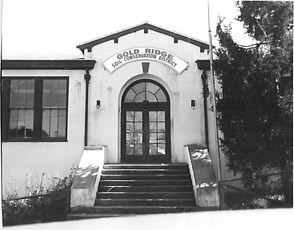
(145, 177)
(146, 169)
(146, 199)
(147, 186)
(144, 188)
(74, 210)
(132, 180)
(171, 165)
(142, 175)
(144, 193)
(136, 172)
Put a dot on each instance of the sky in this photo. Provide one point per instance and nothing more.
(53, 28)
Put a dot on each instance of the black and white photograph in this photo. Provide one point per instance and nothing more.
(146, 114)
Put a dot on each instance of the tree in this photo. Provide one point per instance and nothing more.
(255, 110)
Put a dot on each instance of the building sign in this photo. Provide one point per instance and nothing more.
(145, 53)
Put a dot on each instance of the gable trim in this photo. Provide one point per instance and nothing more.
(145, 27)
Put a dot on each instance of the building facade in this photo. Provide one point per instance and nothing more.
(138, 92)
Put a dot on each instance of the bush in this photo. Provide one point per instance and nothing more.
(43, 205)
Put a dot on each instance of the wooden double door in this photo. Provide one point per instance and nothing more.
(145, 128)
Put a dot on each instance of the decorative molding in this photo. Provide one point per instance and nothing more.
(145, 67)
(203, 64)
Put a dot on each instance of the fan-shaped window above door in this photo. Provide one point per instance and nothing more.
(145, 91)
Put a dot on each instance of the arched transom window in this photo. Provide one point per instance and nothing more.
(145, 91)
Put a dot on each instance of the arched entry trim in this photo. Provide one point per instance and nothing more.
(145, 123)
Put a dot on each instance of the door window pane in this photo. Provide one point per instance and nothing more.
(138, 138)
(138, 127)
(161, 115)
(130, 149)
(161, 149)
(138, 149)
(152, 116)
(153, 137)
(138, 116)
(161, 136)
(130, 126)
(161, 126)
(153, 149)
(152, 127)
(130, 115)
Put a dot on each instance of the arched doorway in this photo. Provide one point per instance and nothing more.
(145, 123)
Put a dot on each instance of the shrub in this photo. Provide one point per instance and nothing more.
(43, 205)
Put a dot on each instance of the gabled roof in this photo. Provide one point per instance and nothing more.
(145, 26)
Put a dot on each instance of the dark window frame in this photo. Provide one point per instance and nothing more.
(38, 109)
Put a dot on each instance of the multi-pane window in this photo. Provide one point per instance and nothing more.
(54, 108)
(157, 139)
(134, 133)
(21, 108)
(34, 109)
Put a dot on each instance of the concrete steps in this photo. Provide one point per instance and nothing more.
(128, 189)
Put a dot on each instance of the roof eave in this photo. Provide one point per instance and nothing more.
(68, 64)
(144, 26)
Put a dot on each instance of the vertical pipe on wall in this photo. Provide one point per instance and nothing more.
(87, 78)
(205, 94)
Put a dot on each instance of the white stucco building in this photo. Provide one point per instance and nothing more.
(137, 92)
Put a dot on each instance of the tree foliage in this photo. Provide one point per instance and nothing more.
(256, 105)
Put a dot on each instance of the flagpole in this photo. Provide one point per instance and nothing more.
(219, 173)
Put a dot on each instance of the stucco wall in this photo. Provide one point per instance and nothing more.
(24, 162)
(187, 125)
